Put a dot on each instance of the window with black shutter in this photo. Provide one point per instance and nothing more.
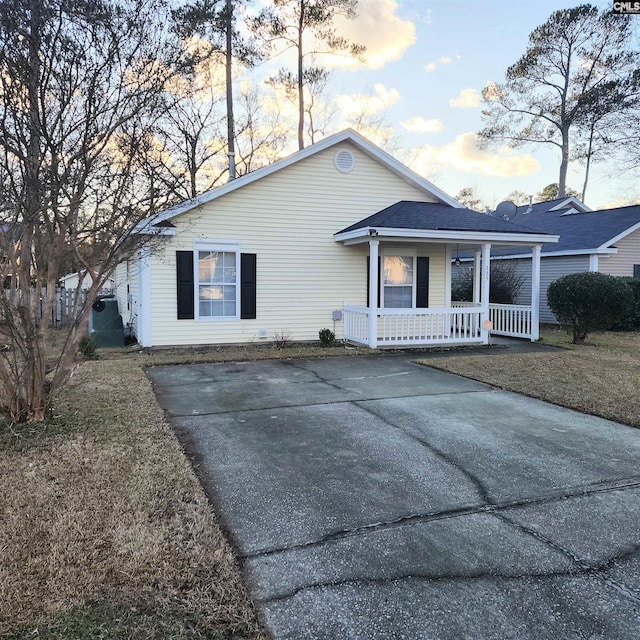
(248, 288)
(184, 264)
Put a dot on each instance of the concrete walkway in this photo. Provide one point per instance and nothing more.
(371, 498)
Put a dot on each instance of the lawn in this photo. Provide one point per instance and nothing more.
(600, 377)
(106, 532)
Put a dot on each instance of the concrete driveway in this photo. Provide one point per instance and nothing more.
(372, 498)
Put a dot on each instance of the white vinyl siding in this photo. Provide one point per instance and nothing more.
(126, 273)
(621, 263)
(288, 220)
(550, 269)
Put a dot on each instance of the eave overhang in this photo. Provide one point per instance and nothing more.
(364, 234)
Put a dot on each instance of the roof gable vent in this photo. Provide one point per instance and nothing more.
(344, 161)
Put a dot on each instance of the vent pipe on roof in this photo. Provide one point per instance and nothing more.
(530, 207)
(232, 165)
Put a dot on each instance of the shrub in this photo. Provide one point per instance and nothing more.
(282, 338)
(586, 302)
(87, 347)
(327, 337)
(462, 284)
(506, 283)
(631, 320)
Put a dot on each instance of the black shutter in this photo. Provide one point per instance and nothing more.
(369, 279)
(422, 281)
(636, 271)
(184, 263)
(248, 286)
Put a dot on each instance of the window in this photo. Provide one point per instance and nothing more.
(636, 271)
(217, 288)
(398, 281)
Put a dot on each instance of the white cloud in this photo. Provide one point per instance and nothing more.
(467, 99)
(385, 35)
(418, 124)
(354, 105)
(432, 66)
(464, 154)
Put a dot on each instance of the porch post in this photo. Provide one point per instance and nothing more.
(447, 275)
(535, 293)
(484, 295)
(476, 277)
(373, 293)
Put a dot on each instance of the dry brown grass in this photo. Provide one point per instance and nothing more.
(600, 377)
(105, 531)
(230, 353)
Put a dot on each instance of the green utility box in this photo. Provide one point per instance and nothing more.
(105, 324)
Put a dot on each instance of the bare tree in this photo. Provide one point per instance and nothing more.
(215, 22)
(80, 81)
(294, 22)
(261, 133)
(518, 197)
(189, 135)
(578, 69)
(470, 199)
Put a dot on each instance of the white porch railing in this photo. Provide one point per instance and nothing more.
(460, 324)
(414, 327)
(513, 320)
(356, 324)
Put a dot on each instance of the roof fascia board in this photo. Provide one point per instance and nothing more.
(151, 230)
(366, 233)
(620, 236)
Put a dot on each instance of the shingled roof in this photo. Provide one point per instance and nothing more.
(579, 231)
(431, 216)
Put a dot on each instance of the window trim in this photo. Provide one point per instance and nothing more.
(215, 245)
(411, 252)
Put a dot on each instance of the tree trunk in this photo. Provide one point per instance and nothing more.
(229, 88)
(588, 165)
(300, 78)
(564, 164)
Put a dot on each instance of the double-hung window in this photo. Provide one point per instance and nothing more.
(217, 272)
(398, 281)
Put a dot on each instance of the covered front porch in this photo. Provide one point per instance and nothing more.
(400, 311)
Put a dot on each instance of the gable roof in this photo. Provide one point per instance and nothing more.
(348, 135)
(587, 232)
(429, 216)
(558, 204)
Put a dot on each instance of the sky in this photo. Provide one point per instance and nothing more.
(425, 66)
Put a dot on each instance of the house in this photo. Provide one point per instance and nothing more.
(607, 241)
(337, 231)
(83, 280)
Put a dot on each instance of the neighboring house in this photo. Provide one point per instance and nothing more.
(73, 281)
(337, 231)
(607, 241)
